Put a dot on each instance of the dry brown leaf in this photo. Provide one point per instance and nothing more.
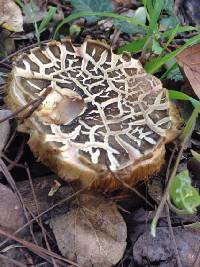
(148, 250)
(4, 128)
(11, 212)
(189, 60)
(92, 234)
(11, 16)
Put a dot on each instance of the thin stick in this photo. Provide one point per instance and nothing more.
(35, 103)
(173, 237)
(185, 137)
(48, 210)
(129, 187)
(37, 207)
(35, 249)
(16, 263)
(22, 50)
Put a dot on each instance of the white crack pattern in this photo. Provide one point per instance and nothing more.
(126, 110)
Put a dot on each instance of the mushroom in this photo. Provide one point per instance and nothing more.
(103, 117)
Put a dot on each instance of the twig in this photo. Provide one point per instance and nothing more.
(128, 186)
(11, 181)
(115, 37)
(185, 137)
(14, 163)
(173, 237)
(22, 50)
(37, 207)
(37, 249)
(16, 263)
(34, 103)
(49, 209)
(10, 140)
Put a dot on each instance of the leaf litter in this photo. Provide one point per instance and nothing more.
(80, 216)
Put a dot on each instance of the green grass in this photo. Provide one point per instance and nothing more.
(31, 13)
(150, 35)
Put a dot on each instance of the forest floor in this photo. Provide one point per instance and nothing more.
(40, 214)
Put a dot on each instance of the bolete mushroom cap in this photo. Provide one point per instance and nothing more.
(104, 115)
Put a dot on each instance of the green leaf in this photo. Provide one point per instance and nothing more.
(173, 73)
(43, 25)
(155, 64)
(195, 155)
(156, 48)
(190, 123)
(139, 15)
(135, 46)
(169, 22)
(180, 29)
(155, 16)
(168, 6)
(74, 30)
(99, 14)
(92, 6)
(183, 194)
(176, 95)
(149, 7)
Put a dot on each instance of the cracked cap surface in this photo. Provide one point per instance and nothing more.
(104, 112)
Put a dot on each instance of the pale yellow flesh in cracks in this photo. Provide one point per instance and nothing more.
(103, 117)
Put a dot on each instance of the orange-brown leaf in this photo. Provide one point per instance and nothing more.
(189, 60)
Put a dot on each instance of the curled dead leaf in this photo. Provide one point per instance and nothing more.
(92, 234)
(189, 61)
(11, 16)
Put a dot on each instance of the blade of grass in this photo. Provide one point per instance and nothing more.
(135, 46)
(180, 29)
(176, 95)
(98, 14)
(138, 45)
(148, 7)
(190, 123)
(171, 38)
(185, 136)
(47, 19)
(154, 65)
(154, 16)
(165, 74)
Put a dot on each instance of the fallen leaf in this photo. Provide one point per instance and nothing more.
(189, 61)
(4, 128)
(11, 212)
(11, 16)
(149, 250)
(92, 234)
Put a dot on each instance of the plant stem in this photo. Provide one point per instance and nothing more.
(185, 137)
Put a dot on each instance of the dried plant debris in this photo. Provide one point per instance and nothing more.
(11, 211)
(92, 234)
(188, 11)
(4, 128)
(149, 250)
(11, 16)
(102, 112)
